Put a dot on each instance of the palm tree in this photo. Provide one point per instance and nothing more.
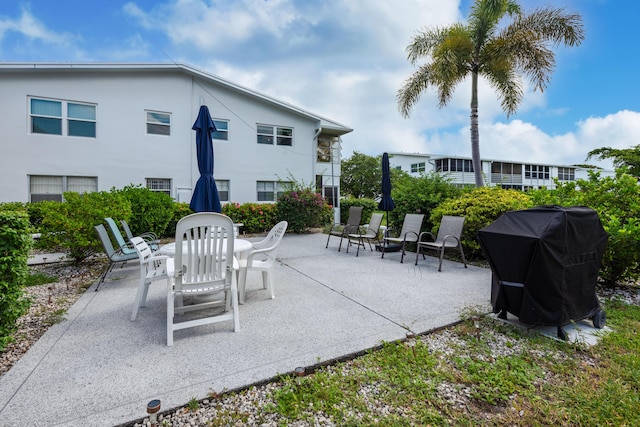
(481, 48)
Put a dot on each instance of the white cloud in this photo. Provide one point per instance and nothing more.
(32, 29)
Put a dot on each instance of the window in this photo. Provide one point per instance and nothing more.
(454, 165)
(158, 123)
(222, 130)
(54, 117)
(47, 187)
(331, 195)
(536, 172)
(417, 167)
(223, 189)
(506, 168)
(269, 134)
(162, 185)
(566, 174)
(327, 150)
(269, 191)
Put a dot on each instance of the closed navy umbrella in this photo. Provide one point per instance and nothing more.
(386, 202)
(205, 194)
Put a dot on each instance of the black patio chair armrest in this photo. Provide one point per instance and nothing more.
(428, 234)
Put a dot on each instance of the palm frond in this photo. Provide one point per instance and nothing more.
(424, 42)
(412, 88)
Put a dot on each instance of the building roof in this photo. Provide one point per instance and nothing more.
(327, 126)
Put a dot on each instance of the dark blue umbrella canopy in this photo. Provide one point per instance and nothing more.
(205, 194)
(386, 202)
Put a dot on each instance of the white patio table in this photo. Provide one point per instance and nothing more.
(240, 247)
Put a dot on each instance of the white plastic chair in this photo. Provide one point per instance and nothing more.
(153, 267)
(262, 258)
(205, 267)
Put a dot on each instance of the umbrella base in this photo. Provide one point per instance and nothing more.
(390, 247)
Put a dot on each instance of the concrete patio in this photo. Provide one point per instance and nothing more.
(100, 369)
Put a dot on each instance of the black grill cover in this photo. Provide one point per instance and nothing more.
(545, 263)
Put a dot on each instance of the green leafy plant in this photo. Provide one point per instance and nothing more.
(15, 242)
(617, 202)
(178, 211)
(254, 217)
(68, 226)
(413, 195)
(480, 207)
(303, 209)
(193, 404)
(150, 210)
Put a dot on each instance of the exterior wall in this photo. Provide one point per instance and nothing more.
(123, 153)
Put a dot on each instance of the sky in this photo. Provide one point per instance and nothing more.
(346, 59)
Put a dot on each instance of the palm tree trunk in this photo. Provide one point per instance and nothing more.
(475, 134)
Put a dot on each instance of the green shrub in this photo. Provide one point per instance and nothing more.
(15, 242)
(413, 195)
(13, 206)
(369, 206)
(480, 207)
(68, 226)
(304, 209)
(179, 210)
(150, 210)
(617, 202)
(254, 217)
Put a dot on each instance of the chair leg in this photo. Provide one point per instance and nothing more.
(242, 284)
(141, 296)
(170, 307)
(402, 256)
(267, 283)
(234, 305)
(462, 254)
(340, 246)
(328, 237)
(441, 257)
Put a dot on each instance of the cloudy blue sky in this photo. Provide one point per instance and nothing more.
(346, 59)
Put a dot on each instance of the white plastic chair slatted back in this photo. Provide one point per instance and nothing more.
(206, 261)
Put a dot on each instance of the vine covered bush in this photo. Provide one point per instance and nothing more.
(68, 226)
(480, 207)
(15, 242)
(304, 209)
(150, 210)
(617, 202)
(254, 217)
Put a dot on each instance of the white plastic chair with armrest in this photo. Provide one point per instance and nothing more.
(153, 267)
(262, 258)
(204, 268)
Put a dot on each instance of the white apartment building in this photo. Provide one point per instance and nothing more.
(505, 174)
(94, 126)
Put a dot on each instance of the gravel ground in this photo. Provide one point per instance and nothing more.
(50, 302)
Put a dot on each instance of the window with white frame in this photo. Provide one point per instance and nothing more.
(280, 135)
(418, 167)
(222, 130)
(536, 172)
(158, 123)
(223, 189)
(269, 191)
(52, 187)
(162, 185)
(566, 174)
(59, 117)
